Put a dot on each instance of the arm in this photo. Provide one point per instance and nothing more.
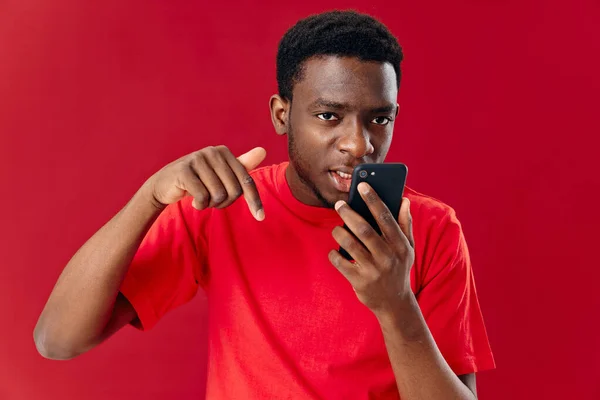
(83, 308)
(420, 370)
(381, 279)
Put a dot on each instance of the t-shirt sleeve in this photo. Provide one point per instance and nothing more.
(169, 265)
(449, 303)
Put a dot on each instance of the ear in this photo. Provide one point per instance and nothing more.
(397, 110)
(280, 113)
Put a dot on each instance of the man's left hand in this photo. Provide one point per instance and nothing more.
(380, 273)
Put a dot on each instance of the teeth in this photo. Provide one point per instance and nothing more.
(343, 174)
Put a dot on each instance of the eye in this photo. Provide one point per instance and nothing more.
(381, 120)
(327, 117)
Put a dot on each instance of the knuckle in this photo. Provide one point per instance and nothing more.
(371, 196)
(202, 200)
(403, 251)
(387, 264)
(386, 217)
(365, 230)
(247, 180)
(198, 159)
(183, 174)
(237, 192)
(200, 153)
(375, 276)
(219, 196)
(210, 152)
(182, 169)
(347, 243)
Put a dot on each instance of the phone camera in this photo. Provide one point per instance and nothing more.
(363, 174)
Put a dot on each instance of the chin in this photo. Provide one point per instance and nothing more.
(329, 200)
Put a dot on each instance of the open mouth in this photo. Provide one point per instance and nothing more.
(341, 180)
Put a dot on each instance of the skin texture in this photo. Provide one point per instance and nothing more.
(342, 114)
(346, 128)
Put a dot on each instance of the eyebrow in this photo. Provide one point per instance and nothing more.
(384, 109)
(321, 102)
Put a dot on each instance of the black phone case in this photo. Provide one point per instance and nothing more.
(388, 180)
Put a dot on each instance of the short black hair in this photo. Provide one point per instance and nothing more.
(335, 33)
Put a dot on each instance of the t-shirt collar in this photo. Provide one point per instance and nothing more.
(318, 215)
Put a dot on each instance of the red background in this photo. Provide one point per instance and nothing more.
(499, 118)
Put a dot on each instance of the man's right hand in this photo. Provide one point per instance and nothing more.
(212, 176)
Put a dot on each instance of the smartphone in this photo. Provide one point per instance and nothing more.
(388, 180)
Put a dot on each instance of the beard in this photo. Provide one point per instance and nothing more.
(302, 167)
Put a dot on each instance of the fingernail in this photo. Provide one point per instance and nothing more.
(363, 188)
(339, 204)
(260, 214)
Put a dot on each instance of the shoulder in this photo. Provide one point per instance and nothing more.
(437, 233)
(269, 180)
(267, 175)
(428, 209)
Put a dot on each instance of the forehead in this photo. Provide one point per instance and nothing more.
(347, 80)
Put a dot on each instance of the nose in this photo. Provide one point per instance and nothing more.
(355, 140)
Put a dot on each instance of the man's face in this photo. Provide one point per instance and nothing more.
(341, 115)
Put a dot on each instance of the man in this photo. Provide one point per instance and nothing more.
(289, 317)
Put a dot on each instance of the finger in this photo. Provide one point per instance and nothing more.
(195, 188)
(347, 268)
(383, 216)
(248, 186)
(352, 245)
(209, 178)
(227, 177)
(252, 158)
(363, 231)
(405, 221)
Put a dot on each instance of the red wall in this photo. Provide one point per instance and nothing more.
(499, 118)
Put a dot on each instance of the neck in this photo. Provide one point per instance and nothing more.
(300, 189)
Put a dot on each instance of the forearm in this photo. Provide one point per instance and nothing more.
(420, 369)
(82, 300)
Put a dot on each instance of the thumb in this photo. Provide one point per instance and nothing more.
(253, 158)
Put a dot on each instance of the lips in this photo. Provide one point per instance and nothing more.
(341, 180)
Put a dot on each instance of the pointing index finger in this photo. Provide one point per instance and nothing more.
(252, 196)
(248, 187)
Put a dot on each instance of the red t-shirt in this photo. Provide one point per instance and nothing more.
(283, 322)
